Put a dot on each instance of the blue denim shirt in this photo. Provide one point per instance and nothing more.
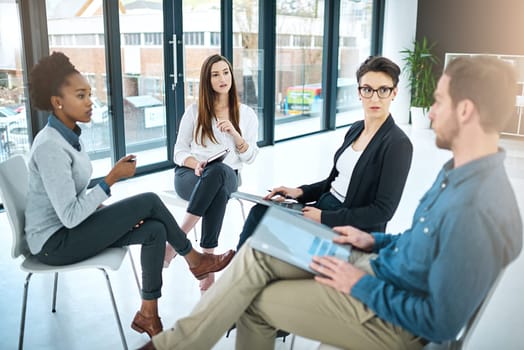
(430, 279)
(71, 136)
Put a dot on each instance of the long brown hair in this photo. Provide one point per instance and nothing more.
(206, 102)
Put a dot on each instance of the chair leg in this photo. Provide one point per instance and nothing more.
(134, 270)
(117, 316)
(24, 308)
(55, 287)
(195, 233)
(293, 336)
(456, 345)
(230, 329)
(242, 208)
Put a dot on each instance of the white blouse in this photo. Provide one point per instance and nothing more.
(186, 145)
(345, 165)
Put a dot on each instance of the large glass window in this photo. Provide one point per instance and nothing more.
(78, 32)
(13, 120)
(201, 23)
(143, 82)
(247, 57)
(354, 46)
(298, 72)
(215, 39)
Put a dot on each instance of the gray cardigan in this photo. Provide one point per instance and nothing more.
(57, 194)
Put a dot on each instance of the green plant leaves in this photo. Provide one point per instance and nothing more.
(418, 65)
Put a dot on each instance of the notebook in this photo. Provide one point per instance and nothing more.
(295, 239)
(218, 157)
(288, 205)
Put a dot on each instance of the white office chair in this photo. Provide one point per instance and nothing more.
(463, 337)
(170, 197)
(13, 191)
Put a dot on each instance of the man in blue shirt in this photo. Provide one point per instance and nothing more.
(397, 291)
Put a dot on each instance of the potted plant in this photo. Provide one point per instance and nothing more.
(418, 65)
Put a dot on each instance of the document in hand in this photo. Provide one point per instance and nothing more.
(295, 239)
(218, 157)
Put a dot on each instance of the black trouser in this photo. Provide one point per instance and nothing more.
(207, 196)
(114, 226)
(326, 202)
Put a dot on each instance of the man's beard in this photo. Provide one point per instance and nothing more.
(451, 134)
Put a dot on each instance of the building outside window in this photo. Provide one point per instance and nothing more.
(298, 76)
(153, 39)
(298, 54)
(132, 39)
(194, 38)
(85, 39)
(215, 38)
(13, 118)
(202, 26)
(354, 47)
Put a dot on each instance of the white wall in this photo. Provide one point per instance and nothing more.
(400, 27)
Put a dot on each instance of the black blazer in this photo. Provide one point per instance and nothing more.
(376, 183)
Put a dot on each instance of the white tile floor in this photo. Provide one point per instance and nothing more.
(84, 318)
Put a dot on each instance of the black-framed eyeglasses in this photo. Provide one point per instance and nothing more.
(382, 92)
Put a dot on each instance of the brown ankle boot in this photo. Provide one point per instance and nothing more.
(151, 325)
(211, 263)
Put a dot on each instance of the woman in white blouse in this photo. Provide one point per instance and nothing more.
(217, 122)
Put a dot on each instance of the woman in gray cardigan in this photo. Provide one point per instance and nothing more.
(369, 170)
(66, 222)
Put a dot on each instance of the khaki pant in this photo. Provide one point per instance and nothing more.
(262, 294)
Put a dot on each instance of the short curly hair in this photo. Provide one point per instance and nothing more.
(46, 79)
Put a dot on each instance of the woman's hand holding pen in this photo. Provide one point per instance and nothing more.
(226, 126)
(124, 168)
(284, 192)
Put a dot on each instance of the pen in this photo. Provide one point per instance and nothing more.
(282, 195)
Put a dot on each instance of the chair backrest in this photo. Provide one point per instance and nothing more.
(13, 190)
(464, 336)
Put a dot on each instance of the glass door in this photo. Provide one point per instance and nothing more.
(202, 26)
(298, 75)
(144, 96)
(355, 31)
(247, 56)
(130, 116)
(79, 34)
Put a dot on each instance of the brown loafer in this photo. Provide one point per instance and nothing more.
(211, 263)
(151, 325)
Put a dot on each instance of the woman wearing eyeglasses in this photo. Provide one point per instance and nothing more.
(369, 170)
